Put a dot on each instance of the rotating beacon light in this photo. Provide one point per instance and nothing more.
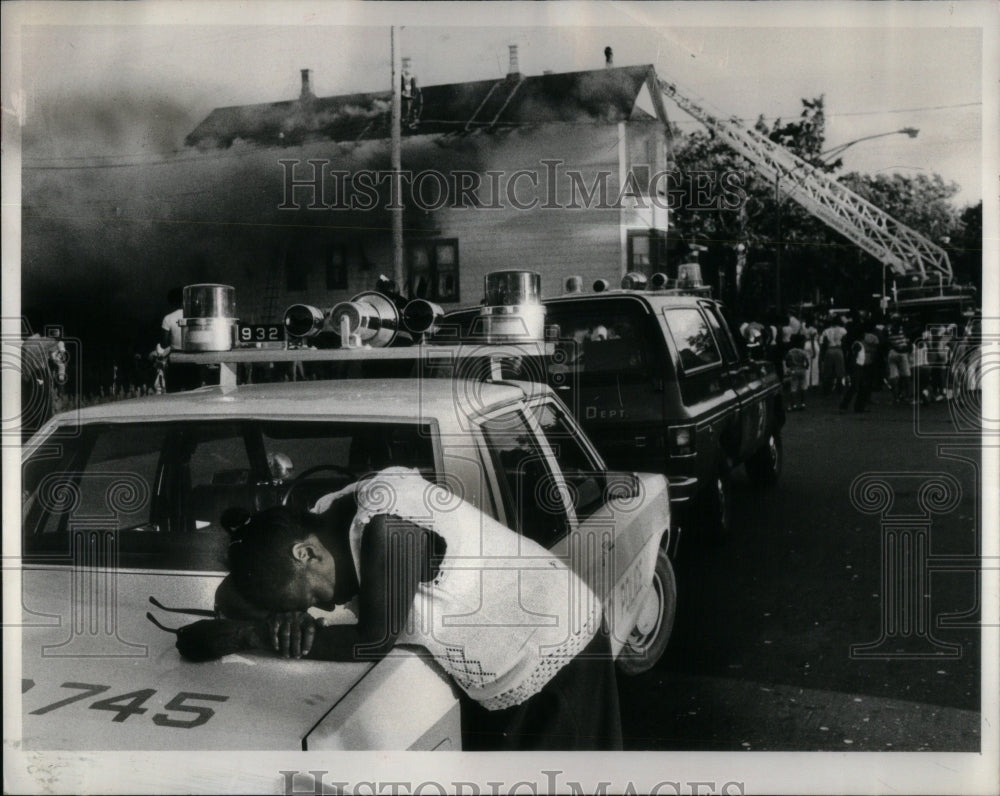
(209, 318)
(512, 310)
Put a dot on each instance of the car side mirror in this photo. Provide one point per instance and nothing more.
(620, 485)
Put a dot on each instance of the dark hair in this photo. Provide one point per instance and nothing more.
(797, 340)
(260, 560)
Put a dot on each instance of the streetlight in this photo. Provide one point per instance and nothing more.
(912, 132)
(826, 157)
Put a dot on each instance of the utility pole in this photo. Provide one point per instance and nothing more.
(396, 166)
(781, 245)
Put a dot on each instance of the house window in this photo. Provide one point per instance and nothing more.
(647, 251)
(433, 270)
(336, 269)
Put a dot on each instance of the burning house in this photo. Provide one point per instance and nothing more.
(548, 171)
(291, 201)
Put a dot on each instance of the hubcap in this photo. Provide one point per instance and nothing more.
(650, 616)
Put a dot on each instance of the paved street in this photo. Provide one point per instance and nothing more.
(761, 653)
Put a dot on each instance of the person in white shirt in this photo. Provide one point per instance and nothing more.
(832, 367)
(430, 571)
(177, 377)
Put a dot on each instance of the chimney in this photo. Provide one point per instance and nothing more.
(609, 57)
(306, 84)
(515, 70)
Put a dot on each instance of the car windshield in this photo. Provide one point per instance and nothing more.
(151, 494)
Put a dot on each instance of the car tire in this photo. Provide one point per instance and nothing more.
(764, 466)
(648, 639)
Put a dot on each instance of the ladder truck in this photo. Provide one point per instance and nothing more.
(901, 249)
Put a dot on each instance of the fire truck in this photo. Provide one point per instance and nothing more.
(921, 266)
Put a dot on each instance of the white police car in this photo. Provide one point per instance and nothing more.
(120, 534)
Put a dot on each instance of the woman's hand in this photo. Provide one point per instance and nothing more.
(291, 634)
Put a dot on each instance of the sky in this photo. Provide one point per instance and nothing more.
(132, 79)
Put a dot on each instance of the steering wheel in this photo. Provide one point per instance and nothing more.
(297, 480)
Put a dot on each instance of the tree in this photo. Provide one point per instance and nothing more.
(967, 247)
(757, 220)
(816, 262)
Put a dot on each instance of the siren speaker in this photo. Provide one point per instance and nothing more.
(633, 280)
(658, 281)
(370, 315)
(303, 320)
(420, 316)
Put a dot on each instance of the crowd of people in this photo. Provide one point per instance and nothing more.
(853, 354)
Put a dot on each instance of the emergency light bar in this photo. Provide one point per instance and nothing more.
(431, 355)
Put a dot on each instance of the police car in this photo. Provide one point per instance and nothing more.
(121, 543)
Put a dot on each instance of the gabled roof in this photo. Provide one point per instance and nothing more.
(595, 96)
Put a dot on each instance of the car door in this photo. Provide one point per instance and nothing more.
(616, 520)
(750, 412)
(704, 386)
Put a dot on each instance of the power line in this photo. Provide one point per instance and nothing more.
(773, 118)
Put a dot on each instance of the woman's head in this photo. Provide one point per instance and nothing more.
(276, 560)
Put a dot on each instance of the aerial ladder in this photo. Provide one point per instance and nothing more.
(906, 252)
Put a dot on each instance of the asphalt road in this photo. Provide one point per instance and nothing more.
(761, 656)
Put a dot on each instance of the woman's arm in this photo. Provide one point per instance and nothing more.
(392, 554)
(392, 551)
(230, 604)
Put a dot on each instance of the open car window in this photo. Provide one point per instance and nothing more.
(529, 489)
(584, 477)
(151, 494)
